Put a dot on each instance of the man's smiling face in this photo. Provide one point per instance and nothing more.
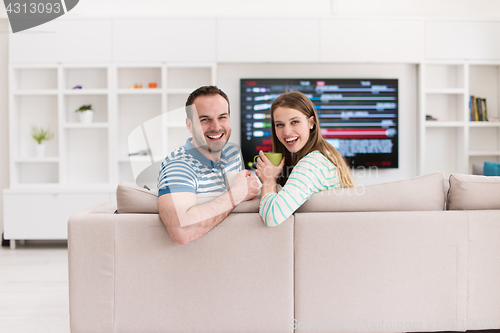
(212, 129)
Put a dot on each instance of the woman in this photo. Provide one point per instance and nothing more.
(317, 165)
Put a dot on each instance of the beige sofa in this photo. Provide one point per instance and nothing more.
(382, 258)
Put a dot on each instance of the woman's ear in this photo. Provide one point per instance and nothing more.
(311, 122)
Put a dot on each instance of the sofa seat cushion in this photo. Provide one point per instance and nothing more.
(469, 192)
(423, 193)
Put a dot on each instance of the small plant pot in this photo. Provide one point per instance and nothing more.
(86, 117)
(40, 150)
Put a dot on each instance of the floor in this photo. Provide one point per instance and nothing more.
(34, 288)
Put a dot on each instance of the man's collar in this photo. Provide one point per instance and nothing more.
(192, 150)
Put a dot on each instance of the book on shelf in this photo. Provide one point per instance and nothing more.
(485, 110)
(477, 109)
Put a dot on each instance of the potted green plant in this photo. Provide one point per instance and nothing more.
(85, 113)
(41, 135)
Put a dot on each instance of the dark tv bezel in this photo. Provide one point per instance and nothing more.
(394, 80)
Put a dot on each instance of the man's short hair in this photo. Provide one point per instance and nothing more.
(204, 91)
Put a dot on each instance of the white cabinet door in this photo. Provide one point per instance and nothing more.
(63, 40)
(462, 40)
(44, 216)
(268, 41)
(164, 40)
(371, 41)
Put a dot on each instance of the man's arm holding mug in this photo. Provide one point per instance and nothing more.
(186, 220)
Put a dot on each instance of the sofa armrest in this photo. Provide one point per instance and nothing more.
(90, 268)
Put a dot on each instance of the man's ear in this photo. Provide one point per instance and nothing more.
(189, 125)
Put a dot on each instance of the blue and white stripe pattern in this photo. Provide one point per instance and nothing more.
(312, 174)
(188, 170)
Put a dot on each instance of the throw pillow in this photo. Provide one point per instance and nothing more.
(132, 199)
(491, 169)
(468, 192)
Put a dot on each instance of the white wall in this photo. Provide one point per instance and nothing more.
(488, 9)
(477, 9)
(229, 75)
(4, 119)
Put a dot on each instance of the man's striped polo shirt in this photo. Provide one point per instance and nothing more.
(187, 170)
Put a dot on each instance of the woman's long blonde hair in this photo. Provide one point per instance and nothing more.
(298, 101)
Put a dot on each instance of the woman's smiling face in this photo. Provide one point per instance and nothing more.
(292, 128)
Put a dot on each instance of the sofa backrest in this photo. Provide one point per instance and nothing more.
(423, 193)
(377, 271)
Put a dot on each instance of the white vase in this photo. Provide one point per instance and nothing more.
(40, 150)
(86, 116)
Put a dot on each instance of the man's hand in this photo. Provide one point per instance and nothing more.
(187, 221)
(245, 187)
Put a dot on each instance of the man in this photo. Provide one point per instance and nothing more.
(199, 167)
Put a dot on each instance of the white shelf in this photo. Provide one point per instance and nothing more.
(48, 188)
(484, 123)
(85, 92)
(43, 95)
(179, 90)
(140, 91)
(484, 153)
(85, 126)
(452, 146)
(41, 92)
(446, 91)
(37, 160)
(437, 123)
(85, 162)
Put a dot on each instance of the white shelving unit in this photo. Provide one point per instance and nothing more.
(85, 162)
(452, 143)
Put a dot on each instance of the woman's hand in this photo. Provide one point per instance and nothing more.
(266, 171)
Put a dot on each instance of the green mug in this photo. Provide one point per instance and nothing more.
(275, 158)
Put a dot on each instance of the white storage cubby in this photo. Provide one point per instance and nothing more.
(452, 143)
(445, 107)
(181, 77)
(85, 77)
(130, 76)
(92, 157)
(37, 79)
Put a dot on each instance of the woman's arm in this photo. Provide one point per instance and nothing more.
(309, 176)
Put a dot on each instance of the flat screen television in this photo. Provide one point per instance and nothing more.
(359, 117)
